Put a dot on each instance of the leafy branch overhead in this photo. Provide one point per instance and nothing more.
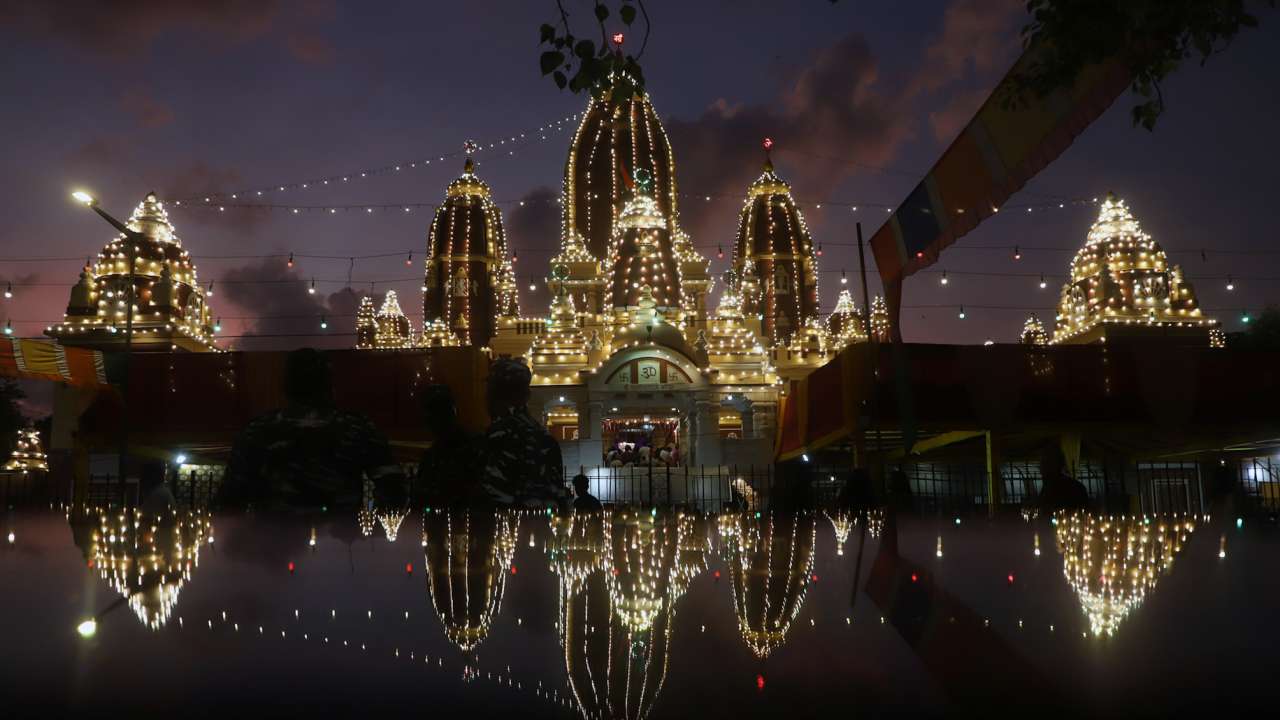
(580, 64)
(1150, 37)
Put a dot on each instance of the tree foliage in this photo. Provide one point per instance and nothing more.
(580, 65)
(1263, 332)
(1151, 37)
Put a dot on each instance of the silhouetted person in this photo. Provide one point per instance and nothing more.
(583, 500)
(856, 492)
(449, 471)
(310, 454)
(1060, 491)
(154, 496)
(900, 496)
(522, 461)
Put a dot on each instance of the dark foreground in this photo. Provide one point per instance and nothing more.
(636, 614)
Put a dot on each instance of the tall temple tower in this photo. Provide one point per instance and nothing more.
(642, 253)
(468, 281)
(773, 255)
(1122, 286)
(614, 141)
(169, 307)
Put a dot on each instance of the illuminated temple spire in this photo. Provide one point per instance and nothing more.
(170, 312)
(27, 455)
(642, 251)
(880, 320)
(731, 347)
(772, 235)
(1033, 332)
(366, 324)
(562, 350)
(394, 331)
(1122, 285)
(467, 248)
(844, 324)
(617, 137)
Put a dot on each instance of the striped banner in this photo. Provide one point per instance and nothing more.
(48, 360)
(996, 154)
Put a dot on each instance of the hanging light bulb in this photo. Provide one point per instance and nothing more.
(533, 284)
(324, 323)
(515, 257)
(312, 290)
(961, 312)
(1230, 285)
(819, 249)
(217, 325)
(844, 279)
(1244, 316)
(1017, 253)
(290, 260)
(8, 290)
(209, 292)
(408, 262)
(943, 280)
(720, 251)
(1043, 284)
(8, 327)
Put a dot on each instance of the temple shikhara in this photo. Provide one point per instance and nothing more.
(170, 310)
(1122, 287)
(633, 363)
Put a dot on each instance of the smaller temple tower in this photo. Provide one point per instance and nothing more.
(468, 280)
(1122, 287)
(169, 308)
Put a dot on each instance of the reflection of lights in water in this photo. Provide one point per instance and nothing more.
(1222, 546)
(875, 522)
(842, 521)
(367, 519)
(939, 550)
(1036, 545)
(621, 574)
(1030, 512)
(391, 523)
(1112, 562)
(771, 564)
(467, 557)
(147, 559)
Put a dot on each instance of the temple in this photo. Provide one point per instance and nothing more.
(1122, 287)
(634, 364)
(170, 311)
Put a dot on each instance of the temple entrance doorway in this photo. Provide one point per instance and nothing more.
(642, 440)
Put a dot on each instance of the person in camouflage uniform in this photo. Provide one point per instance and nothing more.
(522, 461)
(449, 471)
(310, 454)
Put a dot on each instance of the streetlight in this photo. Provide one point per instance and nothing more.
(133, 237)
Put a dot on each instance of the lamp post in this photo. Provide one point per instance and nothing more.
(131, 248)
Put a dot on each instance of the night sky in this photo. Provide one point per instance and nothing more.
(193, 98)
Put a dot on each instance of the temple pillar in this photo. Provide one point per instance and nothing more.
(706, 448)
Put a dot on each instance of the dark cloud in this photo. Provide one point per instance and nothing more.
(833, 112)
(127, 28)
(274, 301)
(976, 35)
(199, 179)
(535, 220)
(99, 152)
(310, 48)
(146, 109)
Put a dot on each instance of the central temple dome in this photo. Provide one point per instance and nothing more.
(613, 142)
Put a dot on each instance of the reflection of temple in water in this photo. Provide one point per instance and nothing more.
(1112, 562)
(147, 559)
(468, 554)
(771, 559)
(621, 574)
